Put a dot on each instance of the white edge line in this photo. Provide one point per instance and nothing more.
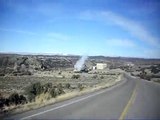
(63, 105)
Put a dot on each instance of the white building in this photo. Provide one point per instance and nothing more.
(101, 66)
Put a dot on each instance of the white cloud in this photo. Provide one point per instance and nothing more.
(134, 28)
(121, 43)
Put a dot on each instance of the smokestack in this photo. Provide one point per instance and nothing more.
(79, 64)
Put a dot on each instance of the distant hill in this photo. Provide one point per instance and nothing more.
(18, 64)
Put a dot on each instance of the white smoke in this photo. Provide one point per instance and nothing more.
(79, 64)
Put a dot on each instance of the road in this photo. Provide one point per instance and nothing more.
(131, 99)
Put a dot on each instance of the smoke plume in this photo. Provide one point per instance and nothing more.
(79, 64)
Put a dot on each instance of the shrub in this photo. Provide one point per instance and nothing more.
(60, 88)
(23, 99)
(95, 76)
(155, 70)
(80, 86)
(47, 87)
(13, 98)
(34, 90)
(2, 101)
(53, 93)
(67, 85)
(57, 91)
(59, 85)
(31, 97)
(102, 77)
(2, 74)
(75, 76)
(16, 99)
(60, 72)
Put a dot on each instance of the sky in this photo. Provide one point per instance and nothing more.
(127, 28)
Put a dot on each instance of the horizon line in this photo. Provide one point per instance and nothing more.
(62, 54)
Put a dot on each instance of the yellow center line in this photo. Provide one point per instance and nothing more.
(126, 109)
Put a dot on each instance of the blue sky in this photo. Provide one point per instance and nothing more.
(128, 28)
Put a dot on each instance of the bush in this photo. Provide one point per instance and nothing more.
(155, 70)
(60, 72)
(23, 99)
(16, 99)
(102, 77)
(56, 91)
(60, 88)
(47, 87)
(2, 74)
(34, 90)
(37, 89)
(80, 86)
(53, 93)
(2, 101)
(31, 97)
(16, 73)
(95, 76)
(75, 76)
(67, 85)
(13, 98)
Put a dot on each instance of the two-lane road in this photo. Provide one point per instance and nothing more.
(132, 98)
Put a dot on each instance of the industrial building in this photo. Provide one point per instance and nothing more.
(101, 66)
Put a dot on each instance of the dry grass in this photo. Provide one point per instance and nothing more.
(42, 98)
(46, 99)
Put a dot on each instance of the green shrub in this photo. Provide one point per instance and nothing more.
(23, 99)
(47, 87)
(59, 85)
(67, 85)
(60, 72)
(13, 98)
(2, 74)
(102, 77)
(56, 91)
(95, 76)
(53, 93)
(33, 90)
(31, 97)
(155, 70)
(75, 76)
(2, 101)
(80, 86)
(60, 88)
(36, 89)
(16, 99)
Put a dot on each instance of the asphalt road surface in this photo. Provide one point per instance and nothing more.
(130, 99)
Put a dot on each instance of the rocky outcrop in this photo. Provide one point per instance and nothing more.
(25, 65)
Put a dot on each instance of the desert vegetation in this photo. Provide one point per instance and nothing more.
(24, 90)
(27, 81)
(150, 72)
